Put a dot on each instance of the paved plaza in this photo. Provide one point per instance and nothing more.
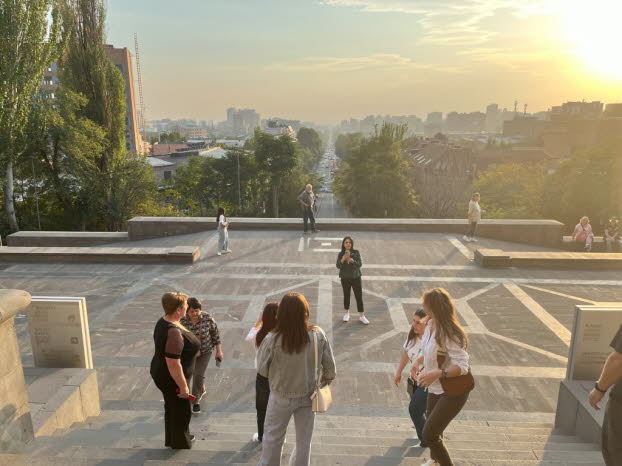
(518, 320)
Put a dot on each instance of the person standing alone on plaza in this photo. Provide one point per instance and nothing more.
(265, 324)
(418, 395)
(223, 232)
(171, 367)
(349, 263)
(297, 359)
(204, 327)
(474, 216)
(446, 372)
(611, 376)
(307, 201)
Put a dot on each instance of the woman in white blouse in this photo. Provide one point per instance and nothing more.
(444, 337)
(419, 395)
(265, 324)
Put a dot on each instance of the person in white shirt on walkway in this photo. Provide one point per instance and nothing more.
(446, 372)
(265, 324)
(474, 215)
(223, 232)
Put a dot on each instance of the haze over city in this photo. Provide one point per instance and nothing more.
(326, 60)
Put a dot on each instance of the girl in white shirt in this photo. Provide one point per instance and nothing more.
(443, 336)
(265, 324)
(223, 232)
(412, 350)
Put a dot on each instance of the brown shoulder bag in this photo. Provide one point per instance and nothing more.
(454, 385)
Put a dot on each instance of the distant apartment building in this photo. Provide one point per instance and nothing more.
(433, 124)
(613, 111)
(525, 127)
(195, 132)
(473, 122)
(122, 59)
(50, 83)
(492, 123)
(279, 128)
(577, 110)
(242, 122)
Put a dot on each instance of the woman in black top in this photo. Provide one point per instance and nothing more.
(171, 367)
(349, 263)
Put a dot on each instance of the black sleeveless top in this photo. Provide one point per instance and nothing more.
(174, 350)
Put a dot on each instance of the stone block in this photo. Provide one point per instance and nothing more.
(13, 394)
(10, 358)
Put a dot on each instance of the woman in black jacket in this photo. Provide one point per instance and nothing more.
(349, 263)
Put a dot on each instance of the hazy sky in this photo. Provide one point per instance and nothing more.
(327, 60)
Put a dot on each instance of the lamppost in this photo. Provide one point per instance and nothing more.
(239, 190)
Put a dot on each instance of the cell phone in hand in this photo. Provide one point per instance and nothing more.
(218, 361)
(190, 397)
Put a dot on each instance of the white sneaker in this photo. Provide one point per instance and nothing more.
(255, 437)
(346, 317)
(430, 462)
(474, 240)
(219, 253)
(364, 320)
(228, 251)
(465, 238)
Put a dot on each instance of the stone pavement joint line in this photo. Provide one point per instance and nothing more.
(547, 319)
(466, 252)
(563, 295)
(325, 307)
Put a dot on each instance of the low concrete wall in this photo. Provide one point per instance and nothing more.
(538, 232)
(175, 255)
(60, 397)
(65, 238)
(15, 422)
(548, 260)
(574, 414)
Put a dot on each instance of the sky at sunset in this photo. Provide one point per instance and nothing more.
(327, 60)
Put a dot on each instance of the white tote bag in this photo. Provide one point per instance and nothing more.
(322, 398)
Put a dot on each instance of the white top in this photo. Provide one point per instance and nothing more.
(221, 220)
(475, 211)
(413, 350)
(456, 355)
(252, 335)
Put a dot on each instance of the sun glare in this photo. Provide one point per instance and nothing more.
(592, 29)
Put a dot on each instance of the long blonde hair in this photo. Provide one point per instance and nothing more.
(445, 317)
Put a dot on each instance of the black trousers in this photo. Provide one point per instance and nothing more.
(352, 284)
(177, 416)
(612, 433)
(262, 394)
(307, 216)
(441, 411)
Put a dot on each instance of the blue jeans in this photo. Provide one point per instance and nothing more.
(417, 408)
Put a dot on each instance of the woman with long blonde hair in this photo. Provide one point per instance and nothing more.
(446, 373)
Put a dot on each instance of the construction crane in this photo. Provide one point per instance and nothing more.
(140, 89)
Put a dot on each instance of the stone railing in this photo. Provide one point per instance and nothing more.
(15, 422)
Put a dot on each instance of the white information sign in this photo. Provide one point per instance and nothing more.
(59, 332)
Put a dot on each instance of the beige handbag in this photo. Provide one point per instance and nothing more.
(322, 398)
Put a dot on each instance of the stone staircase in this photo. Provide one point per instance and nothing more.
(135, 437)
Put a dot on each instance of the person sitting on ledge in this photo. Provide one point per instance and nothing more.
(612, 235)
(583, 234)
(611, 376)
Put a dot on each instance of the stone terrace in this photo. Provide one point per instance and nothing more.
(519, 323)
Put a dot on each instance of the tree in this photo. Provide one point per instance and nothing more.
(31, 38)
(345, 144)
(511, 190)
(85, 69)
(589, 183)
(372, 180)
(278, 158)
(311, 140)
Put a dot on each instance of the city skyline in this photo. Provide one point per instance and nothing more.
(329, 60)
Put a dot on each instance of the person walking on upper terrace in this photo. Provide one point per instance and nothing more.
(171, 367)
(612, 235)
(265, 324)
(583, 234)
(307, 201)
(349, 263)
(611, 378)
(287, 357)
(204, 327)
(446, 372)
(474, 215)
(418, 394)
(223, 232)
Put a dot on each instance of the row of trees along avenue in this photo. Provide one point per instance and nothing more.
(63, 157)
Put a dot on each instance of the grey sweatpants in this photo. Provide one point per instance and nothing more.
(198, 375)
(280, 411)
